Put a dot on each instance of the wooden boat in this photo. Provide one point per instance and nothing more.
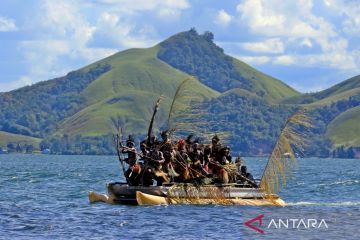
(182, 193)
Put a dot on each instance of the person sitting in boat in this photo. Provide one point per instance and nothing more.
(207, 158)
(167, 149)
(196, 155)
(238, 163)
(197, 158)
(189, 142)
(181, 151)
(181, 162)
(245, 177)
(133, 172)
(156, 161)
(219, 158)
(215, 148)
(225, 157)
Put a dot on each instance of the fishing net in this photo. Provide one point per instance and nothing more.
(193, 194)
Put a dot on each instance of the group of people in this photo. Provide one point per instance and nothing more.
(185, 160)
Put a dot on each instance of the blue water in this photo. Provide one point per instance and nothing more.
(45, 197)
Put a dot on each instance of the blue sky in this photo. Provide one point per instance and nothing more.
(310, 45)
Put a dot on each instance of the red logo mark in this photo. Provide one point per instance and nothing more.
(258, 218)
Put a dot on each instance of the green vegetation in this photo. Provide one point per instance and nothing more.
(254, 124)
(6, 137)
(136, 79)
(18, 143)
(199, 56)
(72, 114)
(344, 130)
(344, 89)
(36, 110)
(99, 145)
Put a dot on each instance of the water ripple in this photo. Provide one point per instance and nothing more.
(45, 197)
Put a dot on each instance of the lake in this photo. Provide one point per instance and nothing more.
(45, 197)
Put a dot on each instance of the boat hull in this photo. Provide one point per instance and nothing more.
(122, 193)
(147, 199)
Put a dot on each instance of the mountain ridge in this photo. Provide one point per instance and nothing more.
(197, 55)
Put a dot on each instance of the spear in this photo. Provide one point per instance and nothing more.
(156, 108)
(118, 144)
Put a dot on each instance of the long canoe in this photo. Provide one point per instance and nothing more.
(235, 194)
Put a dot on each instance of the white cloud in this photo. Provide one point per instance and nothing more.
(64, 20)
(167, 9)
(68, 34)
(272, 45)
(343, 62)
(8, 86)
(223, 18)
(284, 60)
(169, 14)
(123, 32)
(256, 60)
(306, 42)
(279, 18)
(7, 24)
(138, 5)
(295, 23)
(65, 35)
(349, 11)
(259, 18)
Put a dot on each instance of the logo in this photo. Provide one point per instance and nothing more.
(258, 224)
(257, 219)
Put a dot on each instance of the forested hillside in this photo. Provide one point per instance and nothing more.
(197, 55)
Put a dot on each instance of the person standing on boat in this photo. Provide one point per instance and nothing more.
(130, 150)
(133, 172)
(167, 149)
(145, 153)
(147, 174)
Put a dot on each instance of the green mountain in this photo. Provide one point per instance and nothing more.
(72, 114)
(343, 90)
(199, 56)
(6, 137)
(129, 89)
(344, 130)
